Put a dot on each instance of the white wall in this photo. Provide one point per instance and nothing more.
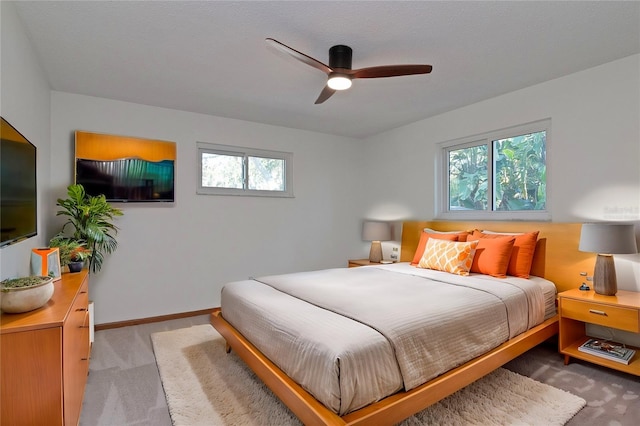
(593, 154)
(24, 103)
(175, 257)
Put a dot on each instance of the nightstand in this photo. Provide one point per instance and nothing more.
(354, 263)
(578, 308)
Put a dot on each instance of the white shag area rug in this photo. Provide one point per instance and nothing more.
(206, 386)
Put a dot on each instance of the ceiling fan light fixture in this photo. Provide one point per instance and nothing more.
(340, 72)
(339, 81)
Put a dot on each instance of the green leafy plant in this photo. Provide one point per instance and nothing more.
(520, 165)
(80, 254)
(91, 218)
(71, 250)
(23, 282)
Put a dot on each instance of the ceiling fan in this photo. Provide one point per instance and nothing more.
(339, 70)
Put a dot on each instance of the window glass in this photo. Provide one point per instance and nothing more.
(266, 174)
(500, 174)
(231, 170)
(221, 171)
(468, 178)
(520, 172)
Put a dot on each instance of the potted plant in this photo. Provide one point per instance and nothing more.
(25, 294)
(73, 253)
(91, 218)
(77, 258)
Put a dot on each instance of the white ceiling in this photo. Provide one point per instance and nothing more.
(211, 57)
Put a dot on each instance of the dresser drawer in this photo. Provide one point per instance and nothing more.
(601, 314)
(75, 336)
(81, 304)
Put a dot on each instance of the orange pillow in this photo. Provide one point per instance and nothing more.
(492, 255)
(524, 248)
(424, 236)
(448, 256)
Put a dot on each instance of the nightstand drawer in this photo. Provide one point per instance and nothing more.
(601, 314)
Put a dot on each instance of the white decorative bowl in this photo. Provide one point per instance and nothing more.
(25, 299)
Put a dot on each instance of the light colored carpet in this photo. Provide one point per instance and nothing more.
(205, 386)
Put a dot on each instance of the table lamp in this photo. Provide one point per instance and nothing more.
(376, 232)
(607, 239)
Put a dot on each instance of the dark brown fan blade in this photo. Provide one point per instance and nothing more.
(390, 71)
(325, 94)
(299, 55)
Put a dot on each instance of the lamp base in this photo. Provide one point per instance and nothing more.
(604, 275)
(375, 254)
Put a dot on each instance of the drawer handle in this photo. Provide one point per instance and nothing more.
(81, 309)
(83, 326)
(597, 312)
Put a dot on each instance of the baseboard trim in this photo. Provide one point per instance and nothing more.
(149, 320)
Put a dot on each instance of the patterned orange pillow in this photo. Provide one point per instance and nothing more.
(424, 236)
(448, 256)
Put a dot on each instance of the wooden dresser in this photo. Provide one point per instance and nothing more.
(45, 357)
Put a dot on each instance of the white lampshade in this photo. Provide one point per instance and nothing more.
(607, 239)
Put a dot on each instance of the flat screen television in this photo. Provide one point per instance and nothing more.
(18, 188)
(125, 169)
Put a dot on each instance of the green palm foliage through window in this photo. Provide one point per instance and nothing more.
(468, 178)
(518, 180)
(521, 172)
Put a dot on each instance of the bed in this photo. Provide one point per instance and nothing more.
(333, 361)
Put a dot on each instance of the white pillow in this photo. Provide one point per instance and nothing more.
(484, 231)
(433, 231)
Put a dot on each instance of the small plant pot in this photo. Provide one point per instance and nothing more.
(76, 266)
(24, 299)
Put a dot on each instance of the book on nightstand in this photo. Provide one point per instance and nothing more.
(608, 350)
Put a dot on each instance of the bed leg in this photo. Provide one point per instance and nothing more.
(227, 347)
(567, 358)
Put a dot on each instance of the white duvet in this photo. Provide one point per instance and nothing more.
(354, 336)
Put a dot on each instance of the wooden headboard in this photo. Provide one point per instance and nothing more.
(557, 257)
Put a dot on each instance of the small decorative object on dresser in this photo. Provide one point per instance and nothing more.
(46, 262)
(18, 295)
(607, 239)
(73, 252)
(78, 256)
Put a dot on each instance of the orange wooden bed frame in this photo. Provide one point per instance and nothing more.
(558, 244)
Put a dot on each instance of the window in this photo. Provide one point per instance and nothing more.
(497, 175)
(231, 170)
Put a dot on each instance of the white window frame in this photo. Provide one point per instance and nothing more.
(210, 148)
(441, 204)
